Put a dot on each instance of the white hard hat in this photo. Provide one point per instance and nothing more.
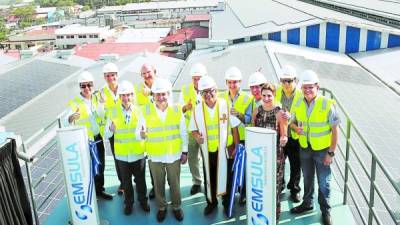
(257, 78)
(85, 76)
(309, 77)
(206, 82)
(110, 68)
(198, 69)
(161, 85)
(233, 73)
(288, 72)
(125, 87)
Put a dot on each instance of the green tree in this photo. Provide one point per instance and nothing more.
(3, 30)
(26, 15)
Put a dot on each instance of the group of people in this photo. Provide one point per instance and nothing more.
(143, 124)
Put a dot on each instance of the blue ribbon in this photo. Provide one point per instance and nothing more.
(238, 168)
(95, 157)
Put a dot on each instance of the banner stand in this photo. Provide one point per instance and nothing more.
(261, 176)
(79, 178)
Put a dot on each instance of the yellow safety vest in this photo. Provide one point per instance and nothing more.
(189, 93)
(141, 99)
(241, 104)
(163, 138)
(316, 127)
(109, 99)
(84, 119)
(212, 127)
(125, 142)
(297, 95)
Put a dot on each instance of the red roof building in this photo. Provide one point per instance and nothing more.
(189, 33)
(197, 17)
(94, 50)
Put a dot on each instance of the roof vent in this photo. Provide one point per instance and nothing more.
(109, 57)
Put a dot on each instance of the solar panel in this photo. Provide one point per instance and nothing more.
(23, 83)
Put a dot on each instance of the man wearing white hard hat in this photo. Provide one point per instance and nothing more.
(256, 81)
(110, 98)
(215, 130)
(287, 95)
(239, 102)
(163, 128)
(143, 97)
(189, 98)
(316, 121)
(86, 110)
(122, 120)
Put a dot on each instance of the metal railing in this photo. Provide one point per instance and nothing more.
(30, 160)
(353, 140)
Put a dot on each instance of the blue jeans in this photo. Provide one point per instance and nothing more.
(312, 161)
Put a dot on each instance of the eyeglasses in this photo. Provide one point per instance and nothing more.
(289, 81)
(208, 92)
(110, 74)
(83, 86)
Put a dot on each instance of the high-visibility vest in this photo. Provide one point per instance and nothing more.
(316, 127)
(212, 126)
(141, 99)
(163, 138)
(297, 95)
(84, 119)
(125, 143)
(241, 104)
(189, 93)
(109, 99)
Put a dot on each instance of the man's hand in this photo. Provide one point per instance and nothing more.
(199, 139)
(143, 133)
(328, 160)
(75, 116)
(188, 106)
(112, 127)
(183, 158)
(283, 141)
(234, 112)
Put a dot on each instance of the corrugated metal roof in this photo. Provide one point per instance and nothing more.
(383, 63)
(4, 59)
(169, 5)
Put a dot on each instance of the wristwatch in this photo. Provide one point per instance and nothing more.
(331, 154)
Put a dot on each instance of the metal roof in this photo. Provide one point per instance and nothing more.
(4, 59)
(248, 57)
(169, 5)
(383, 63)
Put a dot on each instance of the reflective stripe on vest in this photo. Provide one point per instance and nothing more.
(212, 126)
(297, 95)
(163, 138)
(241, 104)
(126, 145)
(316, 127)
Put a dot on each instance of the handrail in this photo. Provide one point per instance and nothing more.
(375, 164)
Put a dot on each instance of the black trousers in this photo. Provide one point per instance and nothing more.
(138, 170)
(213, 165)
(99, 179)
(292, 151)
(111, 139)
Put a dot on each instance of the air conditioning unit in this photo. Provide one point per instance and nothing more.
(109, 57)
(64, 54)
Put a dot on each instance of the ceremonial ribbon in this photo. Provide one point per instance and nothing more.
(238, 174)
(94, 170)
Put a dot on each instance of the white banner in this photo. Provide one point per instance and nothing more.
(74, 147)
(261, 176)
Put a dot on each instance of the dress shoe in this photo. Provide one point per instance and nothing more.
(242, 200)
(128, 209)
(226, 210)
(195, 189)
(301, 208)
(178, 213)
(295, 197)
(161, 214)
(326, 219)
(152, 194)
(120, 190)
(145, 206)
(209, 209)
(104, 195)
